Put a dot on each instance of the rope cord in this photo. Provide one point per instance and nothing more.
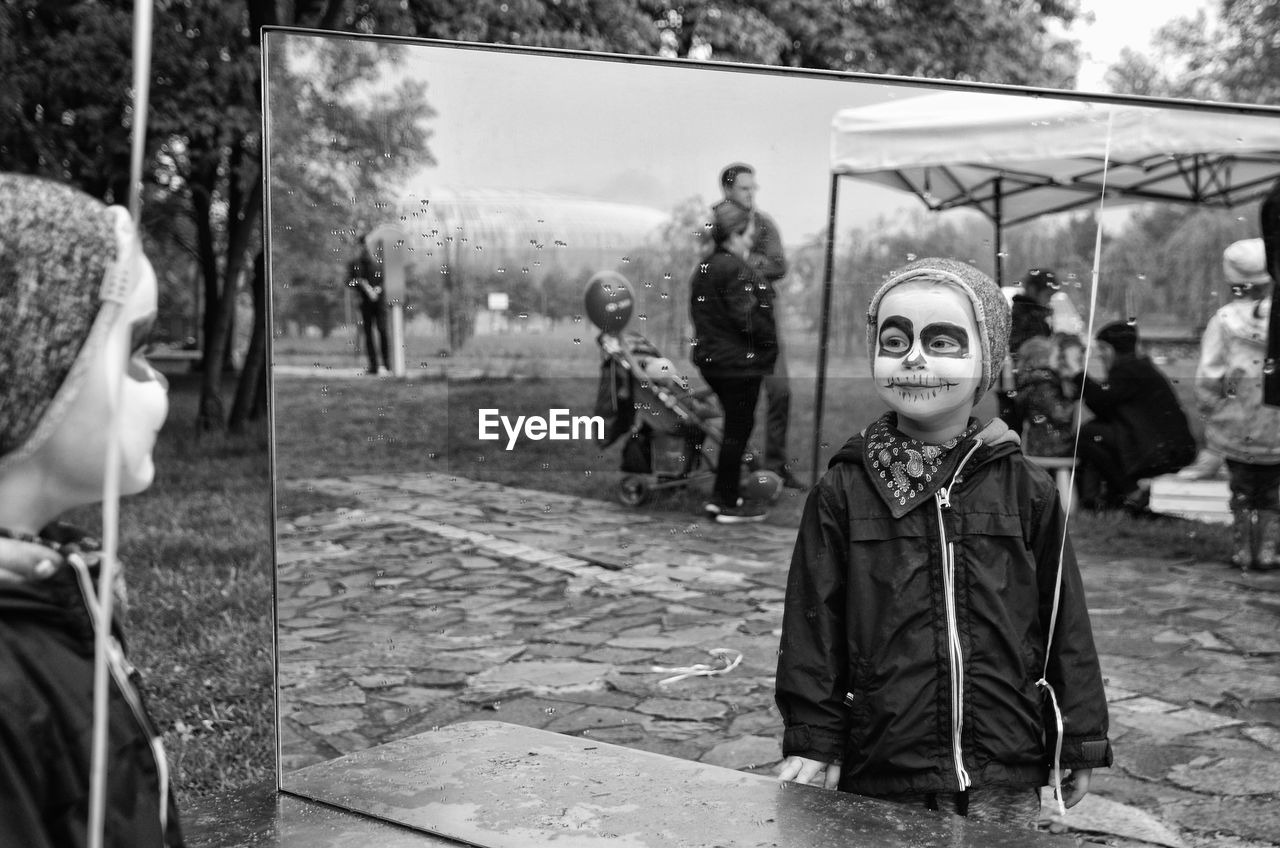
(111, 477)
(702, 669)
(1056, 774)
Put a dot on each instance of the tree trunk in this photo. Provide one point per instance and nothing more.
(242, 223)
(255, 361)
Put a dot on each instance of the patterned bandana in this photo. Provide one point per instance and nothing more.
(906, 471)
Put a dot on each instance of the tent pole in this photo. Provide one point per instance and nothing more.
(824, 330)
(999, 239)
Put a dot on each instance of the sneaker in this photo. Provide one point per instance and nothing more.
(742, 513)
(713, 507)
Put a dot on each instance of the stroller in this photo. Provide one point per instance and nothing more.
(673, 432)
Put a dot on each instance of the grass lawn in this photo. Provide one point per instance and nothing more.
(196, 552)
(196, 545)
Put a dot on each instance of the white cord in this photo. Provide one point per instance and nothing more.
(702, 669)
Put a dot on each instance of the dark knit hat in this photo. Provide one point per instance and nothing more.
(57, 245)
(1121, 335)
(728, 218)
(990, 308)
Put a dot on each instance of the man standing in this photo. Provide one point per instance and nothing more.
(365, 276)
(738, 185)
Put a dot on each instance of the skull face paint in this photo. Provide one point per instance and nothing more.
(928, 360)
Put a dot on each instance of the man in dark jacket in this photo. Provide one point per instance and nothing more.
(364, 274)
(935, 616)
(1138, 430)
(735, 345)
(768, 259)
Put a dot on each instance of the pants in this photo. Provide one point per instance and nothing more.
(1014, 806)
(375, 315)
(738, 397)
(777, 392)
(1254, 486)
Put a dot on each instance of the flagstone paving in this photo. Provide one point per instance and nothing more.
(436, 599)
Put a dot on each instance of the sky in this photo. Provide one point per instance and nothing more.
(1123, 23)
(656, 135)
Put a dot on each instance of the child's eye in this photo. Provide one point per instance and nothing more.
(944, 344)
(893, 342)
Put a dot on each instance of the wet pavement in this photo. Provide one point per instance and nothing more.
(436, 599)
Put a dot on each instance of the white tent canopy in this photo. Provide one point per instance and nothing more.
(1015, 157)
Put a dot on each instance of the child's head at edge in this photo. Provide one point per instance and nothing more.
(62, 349)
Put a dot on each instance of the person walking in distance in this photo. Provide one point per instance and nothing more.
(364, 274)
(769, 261)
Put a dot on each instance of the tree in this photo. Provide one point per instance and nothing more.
(1233, 57)
(1004, 42)
(659, 272)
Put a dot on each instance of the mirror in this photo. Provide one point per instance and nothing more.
(453, 541)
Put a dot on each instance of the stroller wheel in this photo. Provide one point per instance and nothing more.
(633, 490)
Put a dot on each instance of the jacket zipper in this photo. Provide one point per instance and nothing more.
(942, 500)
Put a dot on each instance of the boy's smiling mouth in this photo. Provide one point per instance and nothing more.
(921, 383)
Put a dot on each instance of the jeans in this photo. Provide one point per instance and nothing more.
(738, 396)
(777, 392)
(374, 315)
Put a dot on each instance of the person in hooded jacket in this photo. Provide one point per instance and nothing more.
(935, 622)
(77, 300)
(1237, 425)
(735, 347)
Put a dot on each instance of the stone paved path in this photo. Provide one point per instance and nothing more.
(435, 599)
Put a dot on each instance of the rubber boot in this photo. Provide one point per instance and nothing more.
(1243, 524)
(1267, 533)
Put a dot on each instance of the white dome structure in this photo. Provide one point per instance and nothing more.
(513, 230)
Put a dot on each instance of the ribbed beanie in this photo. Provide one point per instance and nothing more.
(56, 243)
(990, 308)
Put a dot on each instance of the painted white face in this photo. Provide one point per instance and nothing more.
(78, 446)
(928, 354)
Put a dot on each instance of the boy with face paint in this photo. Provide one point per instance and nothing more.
(935, 623)
(76, 304)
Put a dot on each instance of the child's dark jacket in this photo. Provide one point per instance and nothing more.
(46, 721)
(864, 674)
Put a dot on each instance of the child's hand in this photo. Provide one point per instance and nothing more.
(23, 562)
(1075, 786)
(804, 770)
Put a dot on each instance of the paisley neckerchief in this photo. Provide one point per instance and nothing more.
(906, 471)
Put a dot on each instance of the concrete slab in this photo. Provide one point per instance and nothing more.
(500, 786)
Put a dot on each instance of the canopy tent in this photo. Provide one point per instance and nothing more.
(1017, 157)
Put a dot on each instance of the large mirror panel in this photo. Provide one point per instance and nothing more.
(500, 516)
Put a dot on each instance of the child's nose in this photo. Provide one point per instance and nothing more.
(915, 356)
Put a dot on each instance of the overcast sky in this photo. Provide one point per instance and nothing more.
(655, 136)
